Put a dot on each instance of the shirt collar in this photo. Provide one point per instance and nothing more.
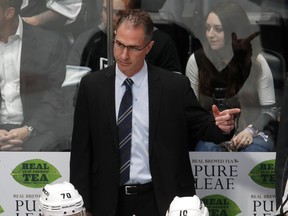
(20, 28)
(19, 31)
(137, 78)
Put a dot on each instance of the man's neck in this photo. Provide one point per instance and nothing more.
(9, 29)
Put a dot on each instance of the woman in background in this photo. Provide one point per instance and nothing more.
(225, 74)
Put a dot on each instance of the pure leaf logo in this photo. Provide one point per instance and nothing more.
(218, 204)
(35, 173)
(1, 209)
(264, 174)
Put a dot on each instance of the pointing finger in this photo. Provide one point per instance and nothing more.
(233, 111)
(215, 111)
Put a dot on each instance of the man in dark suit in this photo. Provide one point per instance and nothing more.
(165, 114)
(31, 72)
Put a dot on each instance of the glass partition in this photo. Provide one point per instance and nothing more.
(55, 43)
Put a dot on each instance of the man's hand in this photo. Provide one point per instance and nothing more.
(9, 141)
(225, 119)
(48, 17)
(31, 20)
(21, 133)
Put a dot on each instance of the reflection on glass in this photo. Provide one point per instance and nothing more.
(32, 68)
(89, 50)
(231, 71)
(73, 18)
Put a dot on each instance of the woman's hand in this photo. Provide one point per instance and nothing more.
(243, 139)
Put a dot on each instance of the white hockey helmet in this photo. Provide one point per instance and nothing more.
(61, 199)
(188, 206)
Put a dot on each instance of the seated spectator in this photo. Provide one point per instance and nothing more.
(61, 199)
(50, 13)
(32, 68)
(231, 76)
(188, 206)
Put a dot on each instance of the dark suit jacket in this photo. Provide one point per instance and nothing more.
(174, 113)
(42, 70)
(281, 171)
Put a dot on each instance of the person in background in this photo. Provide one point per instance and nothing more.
(32, 68)
(88, 17)
(54, 15)
(132, 157)
(50, 13)
(226, 72)
(89, 54)
(187, 206)
(61, 199)
(90, 49)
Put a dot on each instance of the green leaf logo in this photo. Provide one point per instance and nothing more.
(1, 209)
(218, 204)
(264, 174)
(35, 173)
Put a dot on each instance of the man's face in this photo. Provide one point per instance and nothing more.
(130, 48)
(118, 8)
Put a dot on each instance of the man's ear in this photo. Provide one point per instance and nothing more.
(149, 46)
(10, 12)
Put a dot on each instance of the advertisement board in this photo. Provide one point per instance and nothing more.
(238, 183)
(24, 174)
(229, 183)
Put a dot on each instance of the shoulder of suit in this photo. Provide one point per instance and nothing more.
(157, 71)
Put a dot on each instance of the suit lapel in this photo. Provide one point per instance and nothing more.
(27, 54)
(155, 91)
(109, 88)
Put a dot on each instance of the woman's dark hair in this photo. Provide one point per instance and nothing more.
(233, 19)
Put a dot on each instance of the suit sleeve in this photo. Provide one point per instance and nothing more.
(201, 122)
(45, 78)
(282, 150)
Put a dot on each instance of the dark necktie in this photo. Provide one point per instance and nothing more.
(124, 131)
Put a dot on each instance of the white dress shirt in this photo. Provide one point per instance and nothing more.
(10, 54)
(139, 166)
